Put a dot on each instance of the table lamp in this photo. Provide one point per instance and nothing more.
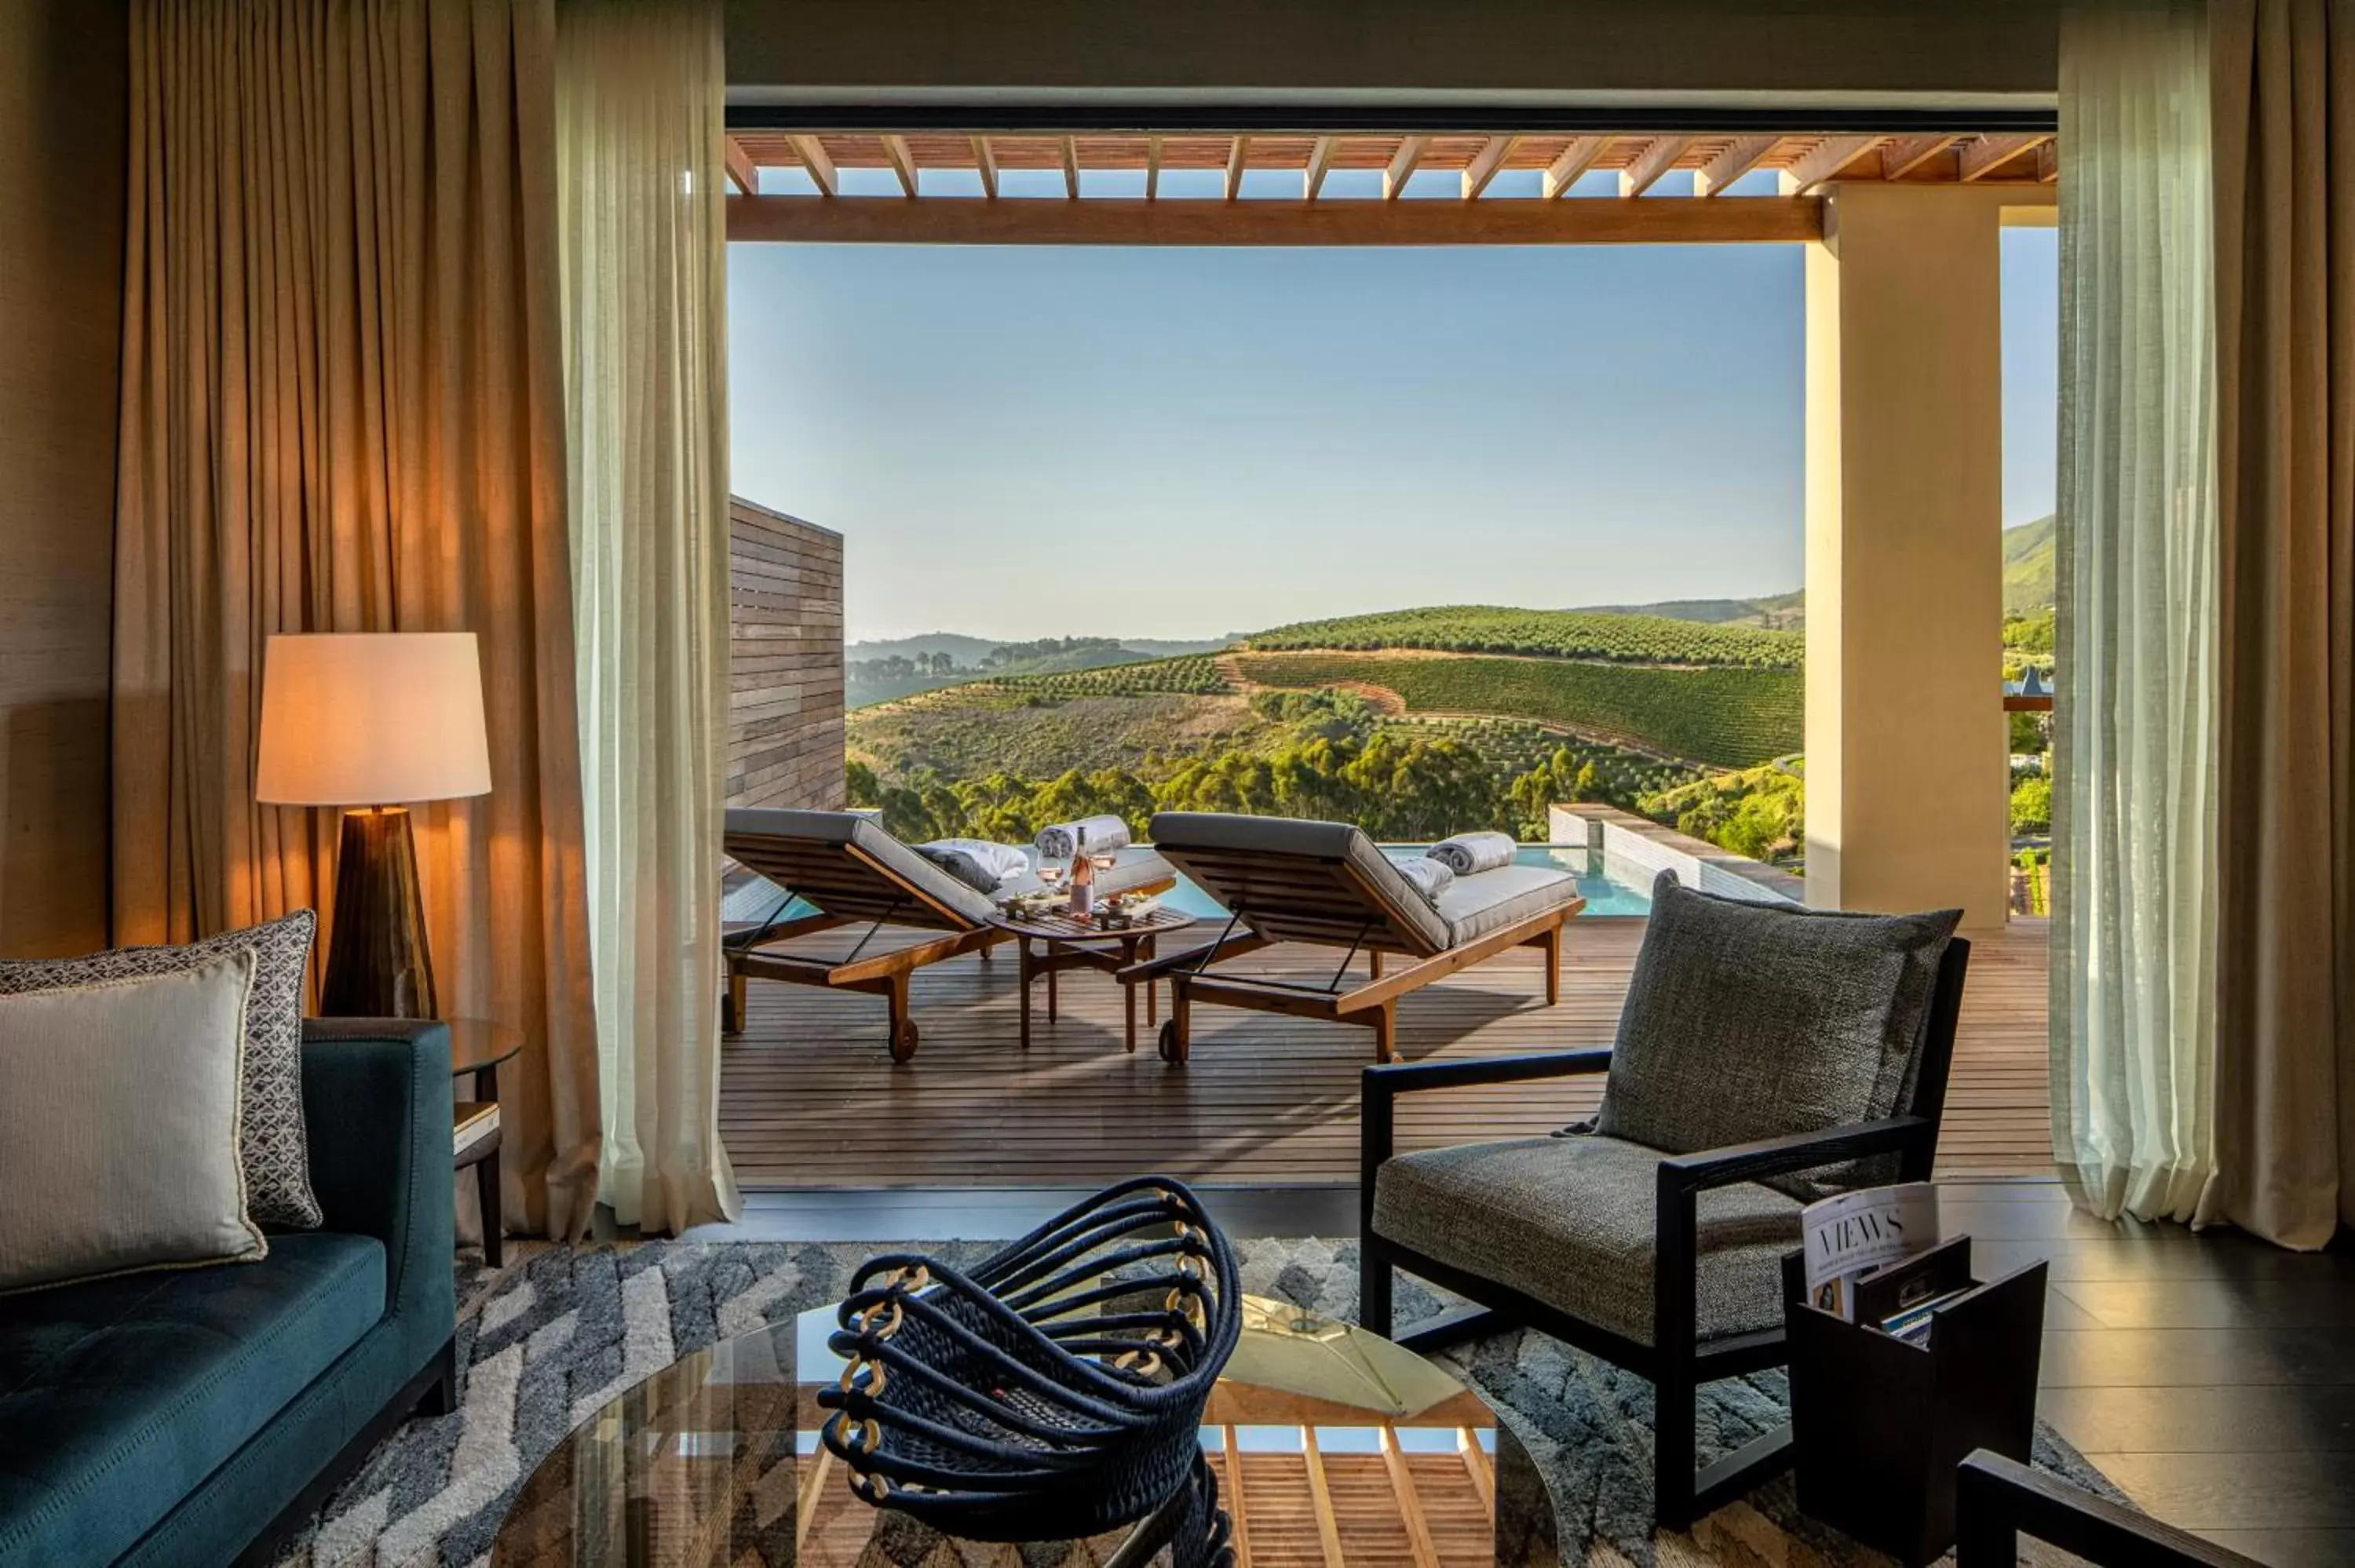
(371, 722)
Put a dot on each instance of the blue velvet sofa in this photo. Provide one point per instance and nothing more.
(194, 1417)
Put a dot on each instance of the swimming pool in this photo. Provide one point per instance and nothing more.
(1604, 895)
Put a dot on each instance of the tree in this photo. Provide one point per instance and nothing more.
(2032, 804)
(859, 784)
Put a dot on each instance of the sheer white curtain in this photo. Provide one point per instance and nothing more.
(2133, 958)
(639, 95)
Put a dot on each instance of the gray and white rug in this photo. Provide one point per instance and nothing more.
(557, 1333)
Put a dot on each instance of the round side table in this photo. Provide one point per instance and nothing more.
(477, 1047)
(1074, 944)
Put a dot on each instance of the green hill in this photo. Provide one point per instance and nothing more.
(1543, 633)
(1775, 612)
(2027, 578)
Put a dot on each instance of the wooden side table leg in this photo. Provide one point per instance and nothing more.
(1022, 973)
(1128, 992)
(486, 1189)
(1051, 983)
(1149, 952)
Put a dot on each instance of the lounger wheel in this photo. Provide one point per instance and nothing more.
(903, 1040)
(1173, 1050)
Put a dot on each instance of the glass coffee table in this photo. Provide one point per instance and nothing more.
(1330, 1445)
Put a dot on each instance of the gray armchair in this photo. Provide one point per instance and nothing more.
(1767, 1056)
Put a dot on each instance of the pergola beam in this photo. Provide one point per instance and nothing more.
(1574, 160)
(1654, 161)
(1985, 155)
(985, 163)
(740, 172)
(819, 166)
(967, 220)
(1486, 162)
(903, 164)
(1830, 159)
(1237, 157)
(1320, 163)
(1739, 157)
(1904, 154)
(1401, 165)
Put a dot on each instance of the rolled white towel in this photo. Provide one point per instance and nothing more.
(990, 863)
(1105, 834)
(1430, 877)
(1468, 854)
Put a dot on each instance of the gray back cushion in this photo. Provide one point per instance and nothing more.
(1749, 1020)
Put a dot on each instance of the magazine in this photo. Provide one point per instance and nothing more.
(1853, 1233)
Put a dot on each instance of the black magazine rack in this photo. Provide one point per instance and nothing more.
(1880, 1425)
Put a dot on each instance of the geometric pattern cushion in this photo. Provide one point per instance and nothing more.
(272, 1149)
(1569, 1221)
(1748, 1021)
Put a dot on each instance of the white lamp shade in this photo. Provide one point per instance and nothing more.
(371, 719)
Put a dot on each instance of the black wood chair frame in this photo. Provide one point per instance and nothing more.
(1997, 1500)
(1675, 1362)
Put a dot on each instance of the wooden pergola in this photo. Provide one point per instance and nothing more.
(816, 207)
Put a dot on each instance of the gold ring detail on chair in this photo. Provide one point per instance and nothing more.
(866, 1317)
(873, 1387)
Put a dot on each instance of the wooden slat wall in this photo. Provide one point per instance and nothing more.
(809, 1098)
(784, 611)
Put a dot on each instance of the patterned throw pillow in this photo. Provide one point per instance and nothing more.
(275, 1152)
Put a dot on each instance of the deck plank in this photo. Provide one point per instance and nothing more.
(810, 1099)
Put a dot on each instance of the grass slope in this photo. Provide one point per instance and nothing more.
(1726, 717)
(2028, 570)
(973, 730)
(1556, 633)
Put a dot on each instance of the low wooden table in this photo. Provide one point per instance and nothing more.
(1075, 944)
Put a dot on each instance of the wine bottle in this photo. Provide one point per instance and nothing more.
(1083, 877)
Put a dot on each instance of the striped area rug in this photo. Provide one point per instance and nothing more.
(546, 1340)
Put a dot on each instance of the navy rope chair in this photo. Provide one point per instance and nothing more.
(1053, 1393)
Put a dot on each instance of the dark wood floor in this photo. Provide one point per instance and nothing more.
(810, 1098)
(2211, 1377)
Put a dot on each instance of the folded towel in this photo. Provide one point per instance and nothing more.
(1430, 877)
(976, 862)
(1105, 834)
(1468, 854)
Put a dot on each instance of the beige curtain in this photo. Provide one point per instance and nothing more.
(640, 92)
(2284, 83)
(342, 410)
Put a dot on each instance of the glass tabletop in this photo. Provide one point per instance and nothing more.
(477, 1045)
(1341, 1447)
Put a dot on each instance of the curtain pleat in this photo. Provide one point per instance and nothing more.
(640, 95)
(342, 411)
(2284, 76)
(2132, 973)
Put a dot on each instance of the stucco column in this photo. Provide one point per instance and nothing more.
(1907, 793)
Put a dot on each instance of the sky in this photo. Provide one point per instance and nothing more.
(1026, 441)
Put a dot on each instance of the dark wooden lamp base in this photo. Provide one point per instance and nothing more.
(378, 962)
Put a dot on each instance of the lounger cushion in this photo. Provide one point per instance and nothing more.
(1569, 1221)
(1476, 905)
(747, 825)
(1280, 837)
(1748, 1021)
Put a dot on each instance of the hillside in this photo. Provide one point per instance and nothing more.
(969, 651)
(1775, 612)
(2028, 566)
(1542, 633)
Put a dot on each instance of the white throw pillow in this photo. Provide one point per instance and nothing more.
(119, 1126)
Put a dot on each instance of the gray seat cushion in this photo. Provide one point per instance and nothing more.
(1749, 1020)
(1569, 1222)
(1476, 905)
(1278, 838)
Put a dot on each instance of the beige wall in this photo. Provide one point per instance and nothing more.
(63, 77)
(784, 703)
(1881, 49)
(1907, 786)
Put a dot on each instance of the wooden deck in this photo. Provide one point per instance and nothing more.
(809, 1098)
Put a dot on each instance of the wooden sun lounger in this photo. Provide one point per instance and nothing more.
(1325, 885)
(854, 872)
